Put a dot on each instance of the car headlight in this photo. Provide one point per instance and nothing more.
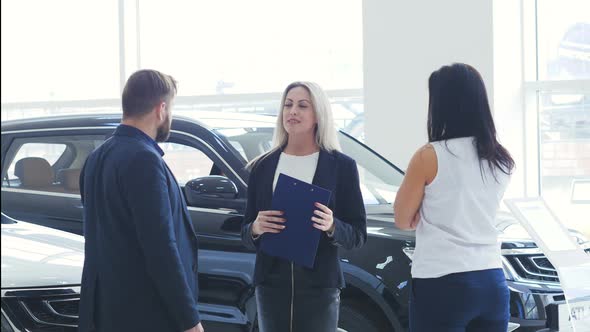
(409, 251)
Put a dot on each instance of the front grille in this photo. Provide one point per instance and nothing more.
(533, 267)
(43, 313)
(68, 307)
(43, 310)
(542, 263)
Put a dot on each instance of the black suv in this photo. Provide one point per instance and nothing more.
(41, 162)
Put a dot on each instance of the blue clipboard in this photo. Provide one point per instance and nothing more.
(299, 241)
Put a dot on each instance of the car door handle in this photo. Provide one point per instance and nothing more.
(232, 224)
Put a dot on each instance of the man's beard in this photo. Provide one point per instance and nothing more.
(163, 131)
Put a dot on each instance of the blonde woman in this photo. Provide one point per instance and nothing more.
(290, 297)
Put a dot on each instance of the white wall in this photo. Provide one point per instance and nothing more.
(404, 41)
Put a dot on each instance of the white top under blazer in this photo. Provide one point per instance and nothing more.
(456, 231)
(300, 167)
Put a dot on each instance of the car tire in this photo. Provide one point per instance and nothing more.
(353, 319)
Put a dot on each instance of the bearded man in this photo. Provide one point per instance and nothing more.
(140, 265)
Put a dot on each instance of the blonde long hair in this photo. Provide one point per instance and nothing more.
(325, 134)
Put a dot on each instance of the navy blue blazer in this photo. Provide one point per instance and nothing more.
(335, 172)
(140, 265)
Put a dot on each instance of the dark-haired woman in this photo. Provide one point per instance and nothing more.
(450, 195)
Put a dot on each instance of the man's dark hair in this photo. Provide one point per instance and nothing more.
(144, 90)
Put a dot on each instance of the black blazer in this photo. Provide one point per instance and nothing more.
(140, 265)
(336, 172)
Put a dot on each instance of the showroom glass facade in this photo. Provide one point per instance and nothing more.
(557, 102)
(64, 64)
(239, 63)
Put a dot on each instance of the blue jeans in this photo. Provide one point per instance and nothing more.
(468, 301)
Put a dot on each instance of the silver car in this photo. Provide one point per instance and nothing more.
(41, 274)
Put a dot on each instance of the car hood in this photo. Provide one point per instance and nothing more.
(380, 222)
(510, 229)
(36, 256)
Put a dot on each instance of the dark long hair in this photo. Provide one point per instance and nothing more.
(459, 107)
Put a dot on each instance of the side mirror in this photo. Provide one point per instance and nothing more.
(210, 191)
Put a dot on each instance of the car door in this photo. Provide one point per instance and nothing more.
(40, 173)
(40, 184)
(225, 266)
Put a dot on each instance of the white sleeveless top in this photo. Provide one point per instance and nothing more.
(299, 167)
(456, 231)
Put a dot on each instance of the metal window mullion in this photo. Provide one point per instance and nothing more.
(531, 143)
(138, 33)
(122, 74)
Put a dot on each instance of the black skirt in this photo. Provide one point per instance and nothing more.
(287, 309)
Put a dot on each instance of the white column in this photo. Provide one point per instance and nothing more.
(515, 118)
(129, 39)
(404, 41)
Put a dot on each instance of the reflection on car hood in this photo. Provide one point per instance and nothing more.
(36, 256)
(380, 222)
(510, 229)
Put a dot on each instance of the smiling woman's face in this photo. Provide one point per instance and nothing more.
(298, 113)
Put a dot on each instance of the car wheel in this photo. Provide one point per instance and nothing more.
(353, 319)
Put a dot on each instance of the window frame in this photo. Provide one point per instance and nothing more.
(533, 89)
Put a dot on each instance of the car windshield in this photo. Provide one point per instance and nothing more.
(379, 179)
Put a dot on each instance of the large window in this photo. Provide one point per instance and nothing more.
(233, 46)
(59, 50)
(564, 144)
(69, 56)
(563, 39)
(557, 99)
